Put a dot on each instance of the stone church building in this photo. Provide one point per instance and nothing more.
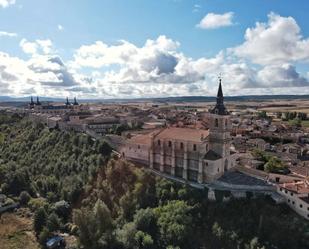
(192, 154)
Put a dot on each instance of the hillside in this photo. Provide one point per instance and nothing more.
(123, 207)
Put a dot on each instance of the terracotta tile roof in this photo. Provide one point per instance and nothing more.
(186, 134)
(140, 139)
(299, 187)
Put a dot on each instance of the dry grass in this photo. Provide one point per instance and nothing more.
(16, 232)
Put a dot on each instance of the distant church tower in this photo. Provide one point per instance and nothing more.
(219, 126)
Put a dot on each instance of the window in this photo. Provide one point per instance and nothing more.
(206, 147)
(169, 144)
(217, 122)
(194, 147)
(293, 202)
(286, 191)
(226, 123)
(289, 200)
(138, 146)
(218, 170)
(301, 206)
(159, 142)
(280, 189)
(291, 194)
(181, 145)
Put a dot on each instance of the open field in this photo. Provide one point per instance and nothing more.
(16, 232)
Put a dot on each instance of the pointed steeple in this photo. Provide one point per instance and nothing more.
(67, 101)
(75, 101)
(220, 93)
(31, 101)
(38, 101)
(220, 108)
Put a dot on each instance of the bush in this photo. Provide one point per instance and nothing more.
(24, 198)
(36, 203)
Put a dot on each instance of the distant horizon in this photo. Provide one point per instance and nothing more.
(178, 98)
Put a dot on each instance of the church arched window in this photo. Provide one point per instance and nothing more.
(217, 122)
(181, 145)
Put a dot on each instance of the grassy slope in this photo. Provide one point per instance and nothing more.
(16, 232)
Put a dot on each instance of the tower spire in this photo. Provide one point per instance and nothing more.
(220, 108)
(220, 92)
(38, 101)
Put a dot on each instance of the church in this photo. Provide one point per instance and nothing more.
(191, 154)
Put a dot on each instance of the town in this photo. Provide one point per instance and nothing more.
(256, 148)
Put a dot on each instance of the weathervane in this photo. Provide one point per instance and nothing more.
(220, 77)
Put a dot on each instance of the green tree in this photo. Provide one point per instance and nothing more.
(39, 221)
(175, 223)
(44, 236)
(24, 198)
(53, 222)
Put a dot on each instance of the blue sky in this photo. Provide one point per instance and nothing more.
(185, 61)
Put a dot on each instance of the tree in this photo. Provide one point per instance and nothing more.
(175, 223)
(39, 220)
(143, 240)
(274, 165)
(95, 226)
(62, 209)
(145, 220)
(44, 236)
(104, 148)
(53, 222)
(24, 198)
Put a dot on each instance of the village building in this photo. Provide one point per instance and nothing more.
(296, 195)
(197, 155)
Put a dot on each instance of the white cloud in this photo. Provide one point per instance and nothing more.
(36, 47)
(8, 34)
(214, 21)
(6, 3)
(275, 42)
(156, 68)
(60, 27)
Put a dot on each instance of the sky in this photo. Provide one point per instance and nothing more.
(153, 48)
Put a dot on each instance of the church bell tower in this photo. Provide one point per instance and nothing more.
(219, 126)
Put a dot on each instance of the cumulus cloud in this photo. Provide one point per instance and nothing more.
(8, 34)
(159, 68)
(157, 61)
(36, 47)
(277, 41)
(281, 76)
(214, 21)
(6, 3)
(41, 74)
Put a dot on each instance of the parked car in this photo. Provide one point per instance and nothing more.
(56, 242)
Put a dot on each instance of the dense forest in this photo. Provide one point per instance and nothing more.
(72, 184)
